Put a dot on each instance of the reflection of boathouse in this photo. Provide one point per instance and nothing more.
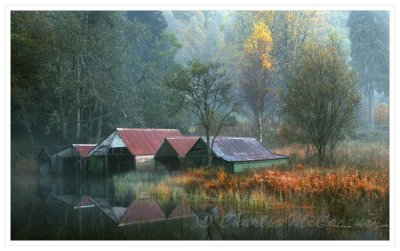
(139, 211)
(125, 148)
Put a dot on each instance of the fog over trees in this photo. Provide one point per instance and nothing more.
(77, 75)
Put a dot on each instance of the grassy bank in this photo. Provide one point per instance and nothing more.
(356, 191)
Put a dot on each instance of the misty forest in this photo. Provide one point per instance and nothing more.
(200, 125)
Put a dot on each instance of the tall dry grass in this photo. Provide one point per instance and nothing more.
(346, 184)
(356, 188)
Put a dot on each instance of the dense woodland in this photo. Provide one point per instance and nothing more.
(312, 77)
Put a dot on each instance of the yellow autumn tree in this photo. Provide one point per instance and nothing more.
(256, 72)
(260, 45)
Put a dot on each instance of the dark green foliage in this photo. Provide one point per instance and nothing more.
(78, 74)
(322, 99)
(154, 19)
(204, 90)
(369, 36)
(75, 75)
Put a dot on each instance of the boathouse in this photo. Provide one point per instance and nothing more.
(172, 152)
(129, 149)
(72, 156)
(236, 154)
(71, 168)
(45, 162)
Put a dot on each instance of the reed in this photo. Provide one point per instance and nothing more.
(301, 187)
(353, 191)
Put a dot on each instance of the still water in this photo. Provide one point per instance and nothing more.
(64, 209)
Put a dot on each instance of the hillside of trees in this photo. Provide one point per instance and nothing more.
(77, 75)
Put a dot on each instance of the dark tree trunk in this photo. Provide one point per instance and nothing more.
(371, 105)
(64, 129)
(209, 156)
(91, 116)
(78, 116)
(27, 124)
(99, 124)
(78, 98)
(260, 127)
(321, 155)
(61, 81)
(333, 158)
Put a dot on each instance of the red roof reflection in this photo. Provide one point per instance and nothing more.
(141, 211)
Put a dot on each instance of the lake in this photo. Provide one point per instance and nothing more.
(63, 209)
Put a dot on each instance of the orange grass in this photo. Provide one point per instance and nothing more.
(297, 150)
(347, 184)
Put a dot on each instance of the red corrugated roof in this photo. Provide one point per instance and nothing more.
(84, 149)
(182, 144)
(145, 141)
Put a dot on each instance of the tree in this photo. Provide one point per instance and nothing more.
(256, 78)
(322, 99)
(369, 38)
(205, 91)
(289, 31)
(198, 32)
(76, 75)
(28, 56)
(85, 71)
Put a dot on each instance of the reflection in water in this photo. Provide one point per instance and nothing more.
(91, 211)
(84, 202)
(97, 214)
(138, 212)
(89, 218)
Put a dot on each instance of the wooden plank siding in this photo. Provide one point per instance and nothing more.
(248, 165)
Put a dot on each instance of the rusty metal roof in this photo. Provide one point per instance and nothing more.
(145, 141)
(43, 154)
(48, 153)
(182, 144)
(76, 150)
(241, 149)
(141, 211)
(83, 149)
